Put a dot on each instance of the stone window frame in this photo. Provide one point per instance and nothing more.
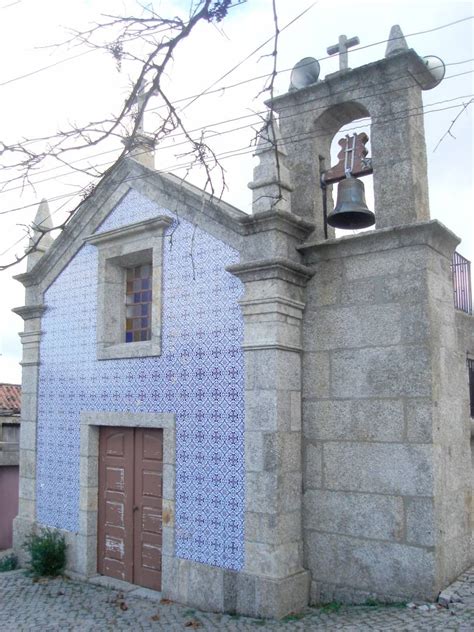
(118, 249)
(91, 422)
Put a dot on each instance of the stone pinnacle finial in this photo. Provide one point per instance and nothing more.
(396, 41)
(271, 184)
(41, 222)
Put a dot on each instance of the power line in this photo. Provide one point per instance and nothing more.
(214, 134)
(223, 156)
(226, 74)
(38, 70)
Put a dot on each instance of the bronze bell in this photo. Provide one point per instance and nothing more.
(351, 210)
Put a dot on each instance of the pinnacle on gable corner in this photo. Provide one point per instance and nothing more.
(396, 41)
(271, 183)
(41, 223)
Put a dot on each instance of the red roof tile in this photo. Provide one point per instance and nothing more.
(10, 398)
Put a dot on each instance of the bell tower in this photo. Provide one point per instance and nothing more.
(389, 91)
(387, 478)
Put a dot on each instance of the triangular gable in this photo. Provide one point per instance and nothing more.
(216, 217)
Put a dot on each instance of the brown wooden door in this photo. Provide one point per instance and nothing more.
(130, 505)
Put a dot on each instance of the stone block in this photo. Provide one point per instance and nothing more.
(411, 287)
(254, 451)
(416, 324)
(273, 528)
(420, 521)
(27, 488)
(168, 510)
(27, 463)
(22, 527)
(27, 509)
(401, 570)
(324, 288)
(28, 435)
(169, 446)
(453, 559)
(29, 379)
(357, 420)
(272, 598)
(89, 440)
(261, 492)
(267, 410)
(316, 371)
(355, 326)
(230, 591)
(88, 523)
(312, 465)
(295, 411)
(277, 331)
(372, 516)
(270, 560)
(168, 540)
(272, 369)
(89, 471)
(419, 420)
(88, 500)
(289, 492)
(169, 481)
(380, 468)
(278, 598)
(171, 587)
(282, 452)
(205, 587)
(381, 372)
(29, 403)
(85, 561)
(452, 518)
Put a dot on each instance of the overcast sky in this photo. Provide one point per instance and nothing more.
(89, 87)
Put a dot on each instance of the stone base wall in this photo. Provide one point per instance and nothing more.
(386, 452)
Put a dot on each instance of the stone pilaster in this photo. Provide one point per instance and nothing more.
(30, 339)
(273, 582)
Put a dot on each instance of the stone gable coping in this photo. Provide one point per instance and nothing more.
(217, 218)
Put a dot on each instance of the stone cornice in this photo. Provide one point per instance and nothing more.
(409, 60)
(28, 312)
(131, 230)
(265, 269)
(281, 221)
(432, 234)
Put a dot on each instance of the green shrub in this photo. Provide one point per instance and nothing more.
(47, 551)
(8, 563)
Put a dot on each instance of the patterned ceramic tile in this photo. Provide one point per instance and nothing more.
(199, 377)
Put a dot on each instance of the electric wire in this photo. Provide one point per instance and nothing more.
(223, 156)
(222, 133)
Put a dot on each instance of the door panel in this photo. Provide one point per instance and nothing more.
(116, 503)
(130, 505)
(148, 507)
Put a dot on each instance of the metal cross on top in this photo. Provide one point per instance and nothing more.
(341, 48)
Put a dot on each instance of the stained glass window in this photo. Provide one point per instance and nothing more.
(138, 303)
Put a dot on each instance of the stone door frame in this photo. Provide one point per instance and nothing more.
(86, 543)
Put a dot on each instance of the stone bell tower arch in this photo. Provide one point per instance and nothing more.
(388, 90)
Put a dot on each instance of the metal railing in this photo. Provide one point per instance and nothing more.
(461, 270)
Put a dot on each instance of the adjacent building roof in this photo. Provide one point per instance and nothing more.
(10, 399)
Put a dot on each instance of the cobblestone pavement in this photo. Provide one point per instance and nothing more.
(62, 604)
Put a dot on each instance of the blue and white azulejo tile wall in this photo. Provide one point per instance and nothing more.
(199, 376)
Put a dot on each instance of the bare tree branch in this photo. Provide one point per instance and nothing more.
(159, 37)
